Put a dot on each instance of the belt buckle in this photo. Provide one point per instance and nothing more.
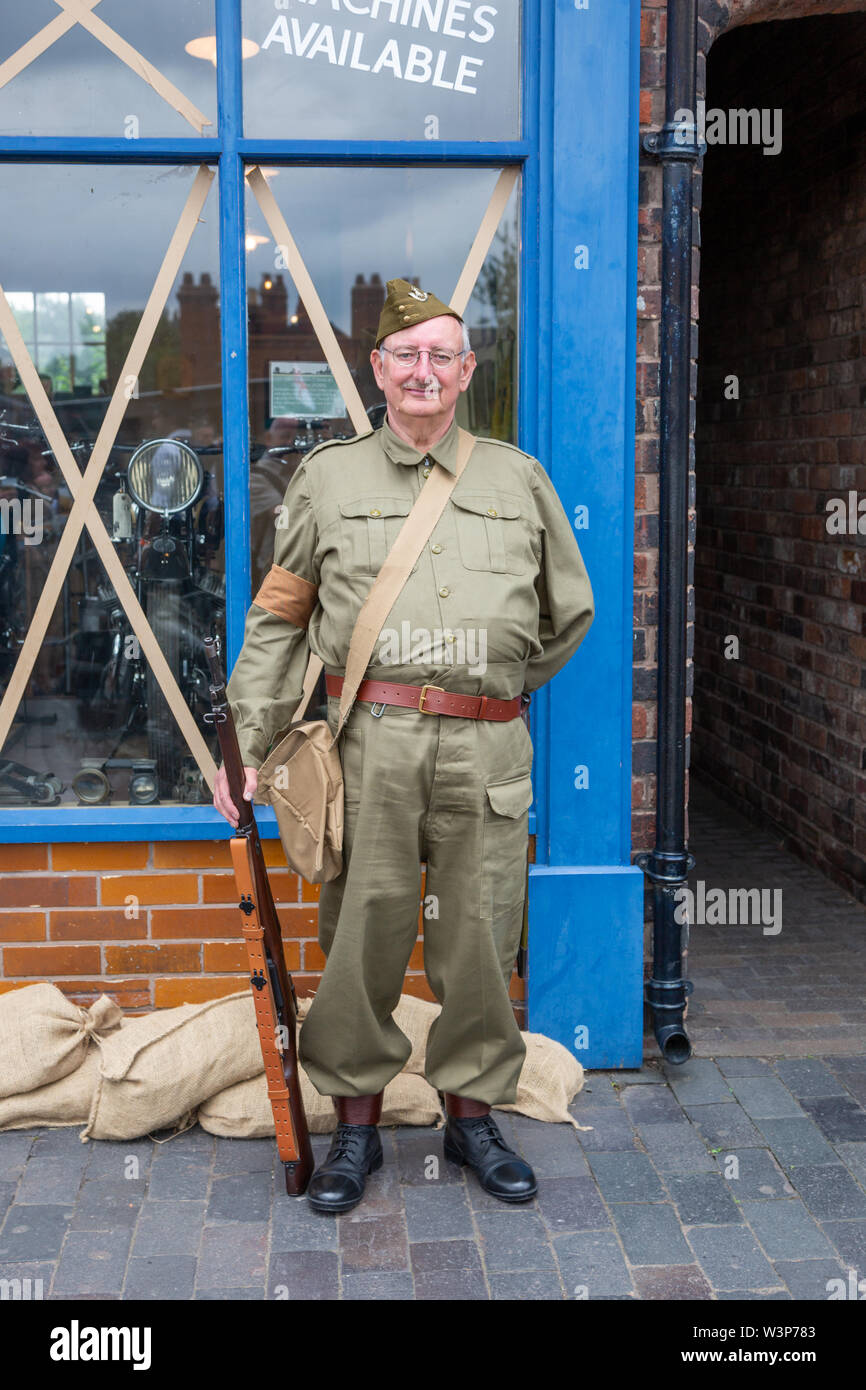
(424, 690)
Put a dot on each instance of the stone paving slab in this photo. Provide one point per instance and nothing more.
(667, 1212)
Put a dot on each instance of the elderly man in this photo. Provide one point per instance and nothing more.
(496, 604)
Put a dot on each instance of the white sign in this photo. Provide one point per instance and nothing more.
(409, 61)
(305, 390)
(322, 64)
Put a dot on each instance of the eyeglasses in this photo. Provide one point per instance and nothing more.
(439, 357)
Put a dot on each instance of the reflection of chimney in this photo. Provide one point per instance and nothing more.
(199, 322)
(367, 301)
(274, 304)
(300, 320)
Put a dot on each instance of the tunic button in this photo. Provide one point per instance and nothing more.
(444, 592)
(491, 511)
(427, 472)
(437, 549)
(374, 511)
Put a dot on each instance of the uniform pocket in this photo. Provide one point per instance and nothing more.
(369, 527)
(503, 860)
(511, 798)
(491, 532)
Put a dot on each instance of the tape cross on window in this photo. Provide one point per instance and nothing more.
(80, 12)
(83, 486)
(312, 303)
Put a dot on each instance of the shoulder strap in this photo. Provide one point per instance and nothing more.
(414, 533)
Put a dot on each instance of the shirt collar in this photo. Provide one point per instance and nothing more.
(444, 451)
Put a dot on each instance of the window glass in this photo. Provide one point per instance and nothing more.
(93, 81)
(383, 224)
(94, 724)
(382, 69)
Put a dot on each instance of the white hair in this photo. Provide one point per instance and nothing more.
(466, 344)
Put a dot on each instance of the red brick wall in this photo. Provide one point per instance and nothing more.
(153, 925)
(784, 261)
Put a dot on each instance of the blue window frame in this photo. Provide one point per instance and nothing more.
(578, 155)
(230, 152)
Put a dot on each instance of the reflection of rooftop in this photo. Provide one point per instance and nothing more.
(275, 334)
(292, 338)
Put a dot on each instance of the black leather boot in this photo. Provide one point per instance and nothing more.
(477, 1141)
(356, 1150)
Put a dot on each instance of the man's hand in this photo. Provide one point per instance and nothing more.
(221, 799)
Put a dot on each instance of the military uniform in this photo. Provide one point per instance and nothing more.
(497, 603)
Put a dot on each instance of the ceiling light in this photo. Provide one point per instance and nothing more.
(206, 47)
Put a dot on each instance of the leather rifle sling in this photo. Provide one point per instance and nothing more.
(267, 1021)
(413, 536)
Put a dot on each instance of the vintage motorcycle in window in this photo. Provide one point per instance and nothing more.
(168, 513)
(94, 724)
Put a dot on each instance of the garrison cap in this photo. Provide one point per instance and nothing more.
(405, 305)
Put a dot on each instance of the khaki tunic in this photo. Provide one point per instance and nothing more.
(497, 603)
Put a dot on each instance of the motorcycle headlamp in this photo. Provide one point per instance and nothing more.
(164, 475)
(91, 786)
(143, 784)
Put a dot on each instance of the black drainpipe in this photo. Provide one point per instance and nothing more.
(668, 865)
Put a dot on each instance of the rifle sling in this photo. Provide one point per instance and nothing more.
(389, 582)
(267, 1020)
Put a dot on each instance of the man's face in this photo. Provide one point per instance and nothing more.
(424, 392)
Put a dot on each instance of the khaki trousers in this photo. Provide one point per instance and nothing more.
(454, 793)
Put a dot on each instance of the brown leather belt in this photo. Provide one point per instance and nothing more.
(431, 699)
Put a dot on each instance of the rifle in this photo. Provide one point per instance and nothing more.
(272, 986)
(523, 948)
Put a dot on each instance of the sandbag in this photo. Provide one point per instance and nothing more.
(244, 1111)
(44, 1036)
(164, 1064)
(63, 1102)
(549, 1080)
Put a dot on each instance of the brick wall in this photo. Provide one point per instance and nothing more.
(782, 727)
(153, 925)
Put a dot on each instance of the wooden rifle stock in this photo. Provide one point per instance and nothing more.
(272, 986)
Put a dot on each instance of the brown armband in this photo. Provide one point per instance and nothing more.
(287, 596)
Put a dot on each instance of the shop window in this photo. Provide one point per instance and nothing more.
(383, 70)
(414, 223)
(111, 483)
(105, 67)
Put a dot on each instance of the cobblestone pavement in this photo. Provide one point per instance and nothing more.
(732, 1177)
(796, 992)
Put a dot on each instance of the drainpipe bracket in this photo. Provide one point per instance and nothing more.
(679, 991)
(662, 866)
(675, 140)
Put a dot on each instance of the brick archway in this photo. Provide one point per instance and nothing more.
(715, 18)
